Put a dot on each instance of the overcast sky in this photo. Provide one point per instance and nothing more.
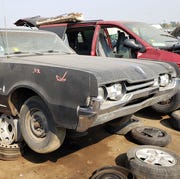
(151, 11)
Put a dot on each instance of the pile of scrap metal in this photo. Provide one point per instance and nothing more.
(38, 20)
(71, 17)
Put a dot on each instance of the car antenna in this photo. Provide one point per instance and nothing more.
(5, 27)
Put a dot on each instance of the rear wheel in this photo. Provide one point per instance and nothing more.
(37, 127)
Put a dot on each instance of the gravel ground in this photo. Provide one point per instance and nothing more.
(78, 158)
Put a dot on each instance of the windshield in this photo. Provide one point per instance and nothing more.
(30, 42)
(155, 37)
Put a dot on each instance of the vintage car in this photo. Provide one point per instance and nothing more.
(48, 88)
(116, 39)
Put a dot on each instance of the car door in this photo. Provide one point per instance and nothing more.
(110, 42)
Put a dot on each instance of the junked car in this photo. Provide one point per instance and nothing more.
(118, 39)
(176, 32)
(48, 88)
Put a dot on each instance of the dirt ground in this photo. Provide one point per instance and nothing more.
(78, 158)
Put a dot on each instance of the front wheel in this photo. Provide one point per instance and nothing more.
(168, 106)
(37, 127)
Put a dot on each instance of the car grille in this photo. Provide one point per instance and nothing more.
(138, 86)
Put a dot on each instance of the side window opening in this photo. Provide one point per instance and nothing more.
(80, 39)
(115, 38)
(118, 36)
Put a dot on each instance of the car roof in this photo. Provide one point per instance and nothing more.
(32, 22)
(38, 21)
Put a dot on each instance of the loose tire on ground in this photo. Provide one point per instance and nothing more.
(37, 127)
(114, 172)
(122, 126)
(175, 121)
(152, 162)
(147, 135)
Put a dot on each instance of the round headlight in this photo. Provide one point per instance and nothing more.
(164, 80)
(115, 91)
(101, 93)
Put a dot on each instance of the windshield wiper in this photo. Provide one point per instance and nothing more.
(23, 53)
(52, 51)
(48, 51)
(37, 52)
(43, 52)
(16, 52)
(56, 51)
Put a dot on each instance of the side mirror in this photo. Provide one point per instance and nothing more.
(130, 43)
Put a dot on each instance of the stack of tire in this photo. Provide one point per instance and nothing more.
(144, 162)
(147, 161)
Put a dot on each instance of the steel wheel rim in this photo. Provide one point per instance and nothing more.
(109, 176)
(156, 157)
(7, 130)
(38, 126)
(151, 132)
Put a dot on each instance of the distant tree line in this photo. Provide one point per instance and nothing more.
(170, 25)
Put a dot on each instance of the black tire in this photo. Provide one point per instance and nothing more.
(115, 126)
(168, 106)
(175, 121)
(152, 162)
(37, 127)
(114, 172)
(150, 136)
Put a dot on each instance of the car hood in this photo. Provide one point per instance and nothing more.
(170, 57)
(106, 70)
(162, 55)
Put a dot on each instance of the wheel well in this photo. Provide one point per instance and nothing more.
(18, 98)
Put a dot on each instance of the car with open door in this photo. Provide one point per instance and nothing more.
(118, 39)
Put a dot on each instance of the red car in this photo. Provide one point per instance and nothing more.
(117, 39)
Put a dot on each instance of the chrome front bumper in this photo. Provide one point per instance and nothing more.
(97, 114)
